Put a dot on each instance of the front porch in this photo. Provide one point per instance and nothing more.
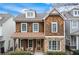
(34, 45)
(74, 42)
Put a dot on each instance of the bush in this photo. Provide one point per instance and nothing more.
(76, 52)
(55, 53)
(19, 53)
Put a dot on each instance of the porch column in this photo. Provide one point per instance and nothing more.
(45, 45)
(17, 42)
(20, 43)
(77, 42)
(14, 44)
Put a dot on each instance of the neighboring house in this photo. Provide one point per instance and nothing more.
(72, 27)
(7, 26)
(39, 32)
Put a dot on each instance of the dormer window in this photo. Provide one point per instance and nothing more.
(75, 12)
(30, 14)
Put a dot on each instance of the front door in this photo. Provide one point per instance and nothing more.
(38, 45)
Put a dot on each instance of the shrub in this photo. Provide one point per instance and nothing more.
(76, 52)
(19, 53)
(55, 53)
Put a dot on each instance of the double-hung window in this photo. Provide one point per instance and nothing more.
(74, 24)
(30, 43)
(54, 27)
(54, 45)
(23, 27)
(35, 27)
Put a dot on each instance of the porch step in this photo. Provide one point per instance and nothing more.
(38, 53)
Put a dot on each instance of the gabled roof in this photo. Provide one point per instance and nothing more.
(54, 11)
(4, 18)
(68, 14)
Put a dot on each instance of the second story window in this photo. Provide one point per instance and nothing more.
(75, 12)
(35, 27)
(74, 24)
(54, 27)
(23, 27)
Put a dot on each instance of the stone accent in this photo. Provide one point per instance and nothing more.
(62, 43)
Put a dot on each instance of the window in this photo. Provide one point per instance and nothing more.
(23, 27)
(73, 40)
(75, 12)
(35, 27)
(30, 14)
(30, 43)
(54, 27)
(74, 24)
(54, 45)
(0, 30)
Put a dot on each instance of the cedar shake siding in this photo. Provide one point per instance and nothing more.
(29, 26)
(54, 18)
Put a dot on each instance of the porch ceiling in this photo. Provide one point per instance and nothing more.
(28, 35)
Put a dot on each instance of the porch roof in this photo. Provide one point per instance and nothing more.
(28, 35)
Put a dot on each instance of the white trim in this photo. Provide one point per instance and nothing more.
(21, 27)
(52, 26)
(28, 43)
(33, 27)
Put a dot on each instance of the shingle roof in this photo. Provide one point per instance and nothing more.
(30, 35)
(4, 17)
(68, 15)
(20, 18)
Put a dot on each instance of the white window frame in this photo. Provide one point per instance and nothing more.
(74, 27)
(56, 47)
(52, 27)
(33, 27)
(33, 16)
(21, 27)
(77, 12)
(28, 43)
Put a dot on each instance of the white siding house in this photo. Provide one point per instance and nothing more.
(6, 29)
(72, 27)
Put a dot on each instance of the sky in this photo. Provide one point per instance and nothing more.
(16, 8)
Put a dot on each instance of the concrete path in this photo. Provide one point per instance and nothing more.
(38, 53)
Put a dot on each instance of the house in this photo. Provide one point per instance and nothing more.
(72, 27)
(39, 32)
(7, 27)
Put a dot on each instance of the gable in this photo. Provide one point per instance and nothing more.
(54, 12)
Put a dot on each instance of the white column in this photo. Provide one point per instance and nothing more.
(77, 40)
(20, 43)
(17, 42)
(13, 45)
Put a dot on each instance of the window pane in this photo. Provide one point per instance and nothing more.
(30, 43)
(58, 45)
(23, 27)
(53, 45)
(36, 27)
(54, 27)
(50, 45)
